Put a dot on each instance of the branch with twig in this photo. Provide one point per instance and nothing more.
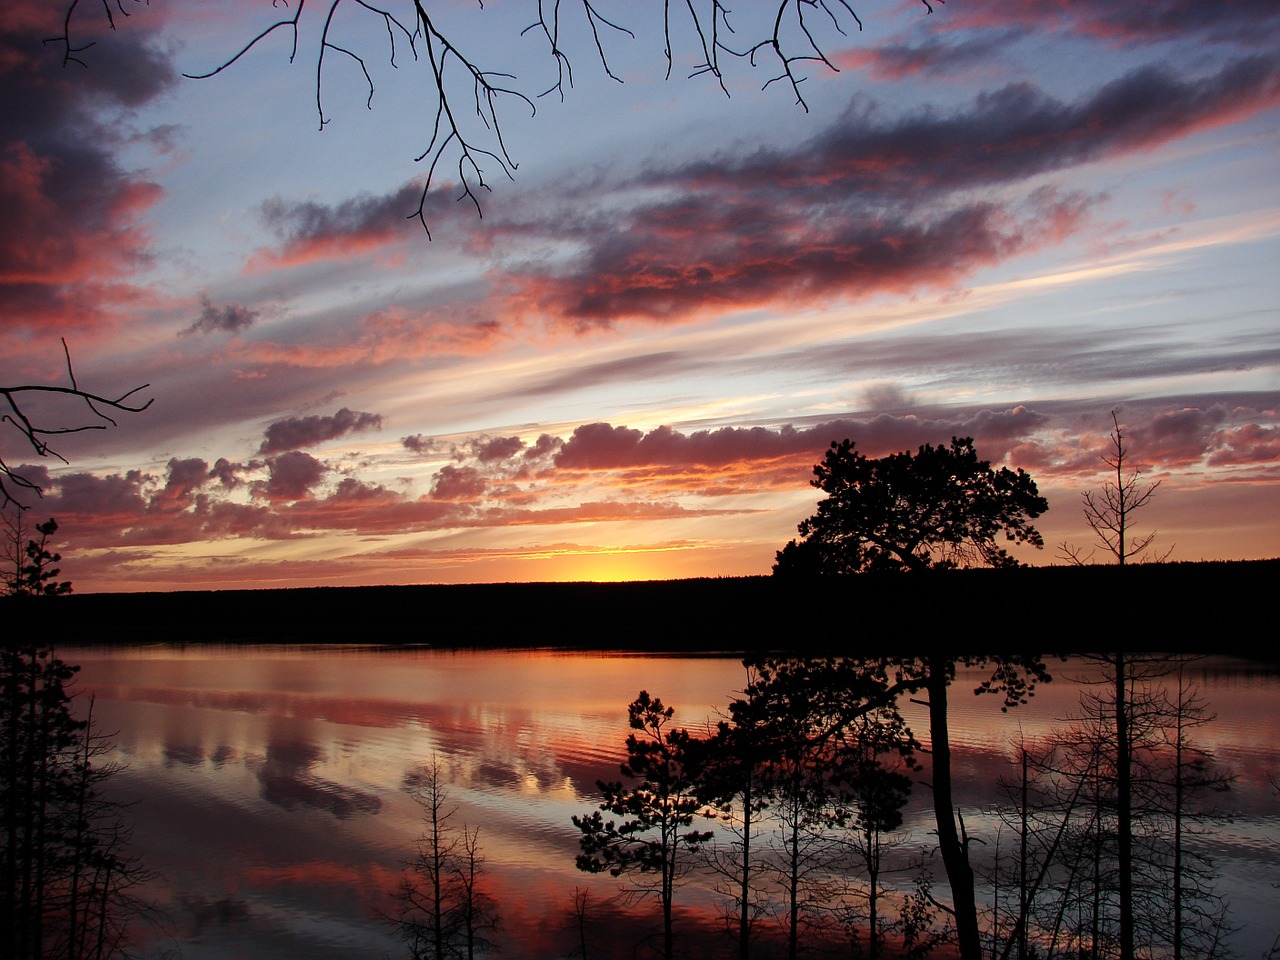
(34, 434)
(469, 100)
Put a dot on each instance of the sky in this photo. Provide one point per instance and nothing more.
(613, 343)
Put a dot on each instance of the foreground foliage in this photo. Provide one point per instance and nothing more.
(67, 880)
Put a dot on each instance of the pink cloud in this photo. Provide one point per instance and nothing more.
(72, 221)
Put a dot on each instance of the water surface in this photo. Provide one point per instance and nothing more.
(269, 781)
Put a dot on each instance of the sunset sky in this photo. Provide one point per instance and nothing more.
(1001, 219)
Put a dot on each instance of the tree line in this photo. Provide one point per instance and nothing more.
(792, 808)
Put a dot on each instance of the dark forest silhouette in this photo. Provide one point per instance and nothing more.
(808, 774)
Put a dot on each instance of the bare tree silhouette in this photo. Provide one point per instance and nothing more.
(1109, 512)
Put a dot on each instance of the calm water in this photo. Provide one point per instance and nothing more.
(269, 795)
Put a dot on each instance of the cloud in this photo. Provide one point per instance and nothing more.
(185, 477)
(1244, 22)
(873, 204)
(870, 205)
(1251, 443)
(458, 483)
(287, 780)
(231, 318)
(667, 363)
(359, 226)
(419, 444)
(293, 433)
(601, 446)
(498, 448)
(72, 226)
(935, 55)
(292, 476)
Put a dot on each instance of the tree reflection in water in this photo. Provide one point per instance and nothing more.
(270, 783)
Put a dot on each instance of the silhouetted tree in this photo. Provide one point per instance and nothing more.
(832, 760)
(580, 920)
(733, 783)
(66, 877)
(1109, 512)
(467, 101)
(818, 728)
(34, 433)
(939, 507)
(873, 794)
(28, 563)
(1104, 867)
(851, 688)
(658, 808)
(442, 909)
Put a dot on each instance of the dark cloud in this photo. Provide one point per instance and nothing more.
(229, 474)
(543, 447)
(1007, 134)
(71, 212)
(293, 474)
(419, 444)
(1251, 443)
(1175, 436)
(185, 477)
(458, 483)
(117, 498)
(229, 318)
(293, 433)
(287, 780)
(872, 205)
(498, 448)
(1246, 22)
(597, 446)
(310, 231)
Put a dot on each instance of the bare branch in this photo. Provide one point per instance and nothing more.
(291, 23)
(33, 433)
(794, 41)
(810, 52)
(69, 51)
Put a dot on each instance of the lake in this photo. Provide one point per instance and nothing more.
(268, 782)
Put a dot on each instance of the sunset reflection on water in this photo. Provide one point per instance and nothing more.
(269, 781)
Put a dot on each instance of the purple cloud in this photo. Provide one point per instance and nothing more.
(293, 433)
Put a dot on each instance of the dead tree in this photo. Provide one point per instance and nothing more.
(32, 432)
(442, 909)
(1109, 512)
(467, 101)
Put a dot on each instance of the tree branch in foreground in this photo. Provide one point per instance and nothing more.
(15, 398)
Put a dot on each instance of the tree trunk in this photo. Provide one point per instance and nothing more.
(873, 892)
(955, 858)
(1124, 811)
(744, 919)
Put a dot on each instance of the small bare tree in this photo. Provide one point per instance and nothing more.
(443, 911)
(1109, 512)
